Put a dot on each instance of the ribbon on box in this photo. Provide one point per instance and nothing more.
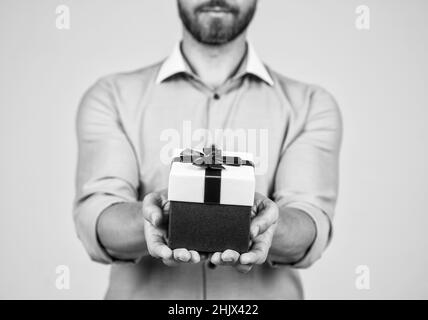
(212, 160)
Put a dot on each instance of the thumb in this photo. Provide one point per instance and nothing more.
(267, 215)
(155, 206)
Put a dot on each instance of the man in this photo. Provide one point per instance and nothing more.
(213, 79)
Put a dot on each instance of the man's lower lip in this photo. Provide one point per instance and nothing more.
(216, 10)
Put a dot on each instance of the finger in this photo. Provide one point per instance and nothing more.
(230, 256)
(267, 216)
(252, 257)
(216, 258)
(244, 268)
(159, 250)
(170, 262)
(156, 242)
(195, 256)
(182, 255)
(259, 249)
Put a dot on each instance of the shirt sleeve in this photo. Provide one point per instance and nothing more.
(107, 170)
(308, 170)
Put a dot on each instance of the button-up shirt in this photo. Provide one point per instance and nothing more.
(129, 123)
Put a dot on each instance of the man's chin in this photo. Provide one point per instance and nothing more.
(214, 42)
(216, 21)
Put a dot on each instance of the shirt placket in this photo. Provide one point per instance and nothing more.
(215, 111)
(213, 116)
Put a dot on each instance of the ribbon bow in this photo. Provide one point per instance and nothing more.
(211, 158)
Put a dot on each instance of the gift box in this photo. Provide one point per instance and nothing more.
(211, 194)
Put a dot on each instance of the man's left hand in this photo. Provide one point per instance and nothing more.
(263, 224)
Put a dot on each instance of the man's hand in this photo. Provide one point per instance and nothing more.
(155, 211)
(263, 224)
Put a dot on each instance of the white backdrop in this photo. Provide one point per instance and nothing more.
(378, 76)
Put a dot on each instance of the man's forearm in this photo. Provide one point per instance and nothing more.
(294, 235)
(121, 232)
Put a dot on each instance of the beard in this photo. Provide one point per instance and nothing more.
(216, 27)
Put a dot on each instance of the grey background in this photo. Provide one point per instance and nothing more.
(379, 78)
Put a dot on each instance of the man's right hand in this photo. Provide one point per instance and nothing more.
(155, 211)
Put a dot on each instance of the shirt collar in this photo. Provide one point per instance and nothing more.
(256, 67)
(176, 64)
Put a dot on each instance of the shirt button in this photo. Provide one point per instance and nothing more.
(216, 96)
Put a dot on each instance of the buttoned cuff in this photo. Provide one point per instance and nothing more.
(322, 237)
(86, 219)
